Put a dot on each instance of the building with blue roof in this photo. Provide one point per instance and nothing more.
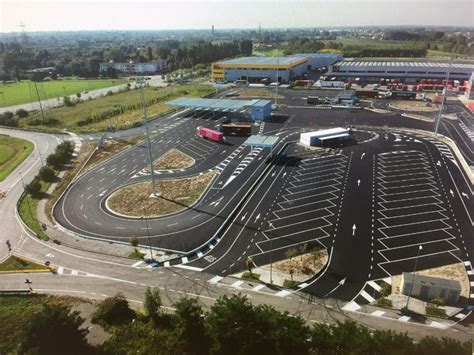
(257, 110)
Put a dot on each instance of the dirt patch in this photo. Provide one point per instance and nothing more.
(257, 92)
(173, 159)
(176, 195)
(455, 272)
(110, 148)
(409, 105)
(302, 265)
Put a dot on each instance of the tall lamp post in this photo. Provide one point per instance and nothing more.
(26, 196)
(145, 217)
(141, 84)
(420, 248)
(445, 91)
(271, 255)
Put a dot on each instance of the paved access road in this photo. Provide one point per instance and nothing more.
(12, 186)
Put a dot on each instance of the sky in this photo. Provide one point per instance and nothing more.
(55, 15)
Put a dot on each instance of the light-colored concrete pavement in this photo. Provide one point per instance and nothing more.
(175, 284)
(12, 186)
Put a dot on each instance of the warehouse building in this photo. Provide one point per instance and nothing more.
(325, 136)
(281, 69)
(427, 287)
(410, 70)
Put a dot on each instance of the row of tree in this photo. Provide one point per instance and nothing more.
(84, 61)
(232, 326)
(54, 161)
(307, 45)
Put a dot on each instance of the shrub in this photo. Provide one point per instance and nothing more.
(8, 114)
(7, 120)
(47, 174)
(68, 102)
(440, 302)
(386, 289)
(22, 113)
(384, 302)
(49, 121)
(113, 311)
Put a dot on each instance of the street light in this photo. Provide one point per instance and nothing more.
(271, 252)
(26, 195)
(147, 232)
(420, 248)
(141, 83)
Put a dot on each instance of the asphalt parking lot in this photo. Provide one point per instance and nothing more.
(371, 204)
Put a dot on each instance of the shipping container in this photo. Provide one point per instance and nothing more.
(237, 130)
(366, 93)
(211, 134)
(312, 100)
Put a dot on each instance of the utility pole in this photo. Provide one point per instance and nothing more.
(277, 82)
(445, 91)
(39, 101)
(148, 232)
(141, 82)
(26, 195)
(420, 248)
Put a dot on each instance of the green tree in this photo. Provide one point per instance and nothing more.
(113, 311)
(137, 338)
(54, 330)
(34, 187)
(152, 302)
(189, 328)
(47, 174)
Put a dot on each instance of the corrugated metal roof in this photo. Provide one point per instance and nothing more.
(372, 64)
(326, 132)
(216, 104)
(261, 141)
(263, 60)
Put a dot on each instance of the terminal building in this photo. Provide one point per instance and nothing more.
(275, 69)
(135, 68)
(410, 70)
(325, 136)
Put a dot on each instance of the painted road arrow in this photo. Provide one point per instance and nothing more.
(340, 283)
(256, 218)
(354, 230)
(362, 156)
(451, 192)
(465, 195)
(438, 163)
(358, 182)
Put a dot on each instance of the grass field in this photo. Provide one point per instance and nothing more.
(70, 116)
(12, 152)
(15, 263)
(28, 212)
(269, 53)
(24, 91)
(371, 43)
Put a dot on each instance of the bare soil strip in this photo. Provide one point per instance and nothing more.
(176, 195)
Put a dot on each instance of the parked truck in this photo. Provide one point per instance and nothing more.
(211, 134)
(242, 130)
